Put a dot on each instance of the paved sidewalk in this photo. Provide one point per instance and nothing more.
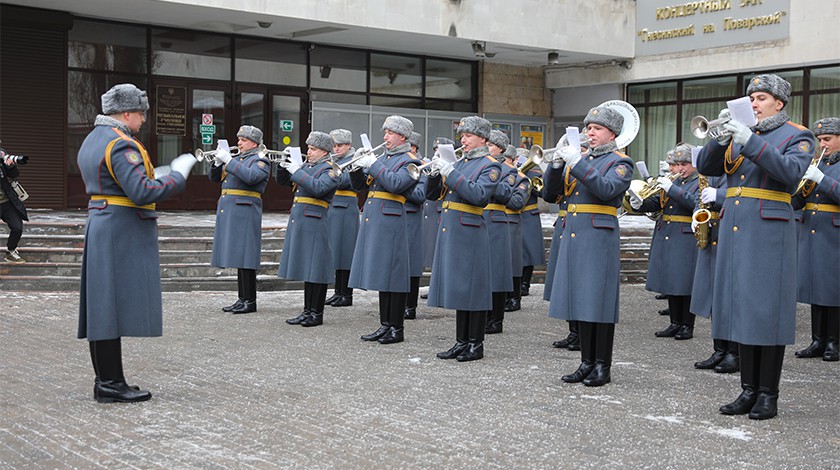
(250, 391)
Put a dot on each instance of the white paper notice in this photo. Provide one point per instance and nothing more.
(447, 152)
(695, 151)
(366, 142)
(741, 111)
(295, 156)
(573, 136)
(642, 167)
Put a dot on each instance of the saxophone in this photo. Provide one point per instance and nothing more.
(702, 216)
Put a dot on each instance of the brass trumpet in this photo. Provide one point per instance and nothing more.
(806, 186)
(207, 155)
(644, 189)
(350, 165)
(702, 127)
(534, 160)
(416, 170)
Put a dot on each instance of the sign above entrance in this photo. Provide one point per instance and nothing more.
(171, 110)
(207, 129)
(287, 125)
(700, 25)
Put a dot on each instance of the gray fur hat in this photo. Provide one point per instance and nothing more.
(521, 152)
(499, 139)
(320, 140)
(124, 98)
(680, 154)
(829, 125)
(607, 117)
(770, 83)
(398, 124)
(510, 152)
(254, 134)
(475, 125)
(442, 141)
(414, 139)
(341, 136)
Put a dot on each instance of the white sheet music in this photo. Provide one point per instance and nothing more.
(222, 144)
(366, 142)
(642, 167)
(573, 136)
(695, 151)
(741, 111)
(447, 152)
(295, 155)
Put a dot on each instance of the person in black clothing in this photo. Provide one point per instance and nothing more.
(12, 210)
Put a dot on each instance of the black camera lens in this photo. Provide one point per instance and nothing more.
(19, 159)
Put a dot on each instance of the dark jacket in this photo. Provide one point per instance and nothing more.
(7, 174)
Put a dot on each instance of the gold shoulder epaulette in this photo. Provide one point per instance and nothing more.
(798, 126)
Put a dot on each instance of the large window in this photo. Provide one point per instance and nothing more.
(666, 108)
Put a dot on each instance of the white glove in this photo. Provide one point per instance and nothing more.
(291, 166)
(570, 155)
(635, 201)
(708, 195)
(162, 171)
(664, 167)
(664, 183)
(740, 133)
(183, 164)
(694, 222)
(443, 166)
(814, 174)
(366, 161)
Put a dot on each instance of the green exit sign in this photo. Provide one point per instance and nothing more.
(287, 125)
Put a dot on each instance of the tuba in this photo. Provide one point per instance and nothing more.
(702, 217)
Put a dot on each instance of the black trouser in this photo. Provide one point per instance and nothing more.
(314, 296)
(392, 308)
(498, 312)
(527, 272)
(825, 322)
(761, 367)
(12, 217)
(678, 306)
(247, 279)
(106, 356)
(469, 325)
(596, 342)
(342, 278)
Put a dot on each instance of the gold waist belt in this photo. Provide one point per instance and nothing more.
(592, 209)
(241, 192)
(386, 195)
(810, 206)
(561, 213)
(756, 193)
(121, 201)
(495, 207)
(460, 207)
(676, 218)
(344, 192)
(530, 207)
(513, 211)
(311, 200)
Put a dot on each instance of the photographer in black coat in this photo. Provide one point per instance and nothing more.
(12, 210)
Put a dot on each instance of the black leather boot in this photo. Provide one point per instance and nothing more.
(586, 335)
(749, 383)
(393, 335)
(248, 306)
(296, 320)
(730, 362)
(525, 287)
(384, 318)
(332, 298)
(461, 336)
(345, 294)
(715, 358)
(685, 332)
(571, 339)
(665, 311)
(669, 332)
(686, 320)
(600, 375)
(314, 318)
(513, 304)
(660, 297)
(411, 299)
(343, 301)
(475, 347)
(770, 374)
(380, 332)
(235, 305)
(831, 318)
(514, 299)
(410, 313)
(832, 352)
(817, 346)
(496, 318)
(111, 385)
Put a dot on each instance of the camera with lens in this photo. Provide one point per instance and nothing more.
(18, 159)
